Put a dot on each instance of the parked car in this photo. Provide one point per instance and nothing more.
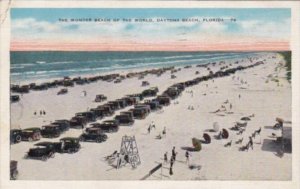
(150, 92)
(15, 136)
(139, 113)
(31, 134)
(13, 170)
(145, 83)
(62, 91)
(14, 98)
(114, 105)
(89, 115)
(64, 125)
(67, 145)
(107, 126)
(130, 100)
(106, 110)
(93, 134)
(78, 122)
(154, 105)
(42, 151)
(100, 98)
(124, 119)
(122, 103)
(98, 113)
(51, 131)
(164, 100)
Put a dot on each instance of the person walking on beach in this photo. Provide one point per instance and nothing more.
(239, 96)
(34, 113)
(171, 170)
(250, 143)
(152, 125)
(172, 161)
(174, 153)
(149, 129)
(166, 157)
(230, 106)
(164, 132)
(44, 112)
(41, 112)
(187, 155)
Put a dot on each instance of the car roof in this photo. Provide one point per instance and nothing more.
(62, 120)
(32, 128)
(43, 143)
(69, 138)
(52, 125)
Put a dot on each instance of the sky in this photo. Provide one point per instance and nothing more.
(242, 29)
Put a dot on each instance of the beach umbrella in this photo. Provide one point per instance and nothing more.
(196, 144)
(279, 120)
(216, 126)
(207, 138)
(225, 133)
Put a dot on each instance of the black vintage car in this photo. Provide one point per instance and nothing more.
(50, 131)
(14, 98)
(98, 113)
(139, 113)
(154, 105)
(129, 100)
(15, 136)
(122, 103)
(93, 134)
(13, 170)
(150, 92)
(108, 126)
(114, 105)
(125, 119)
(62, 91)
(31, 134)
(42, 151)
(64, 125)
(100, 98)
(106, 110)
(164, 100)
(89, 115)
(67, 145)
(78, 122)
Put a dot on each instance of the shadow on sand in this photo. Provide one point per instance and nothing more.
(274, 146)
(190, 149)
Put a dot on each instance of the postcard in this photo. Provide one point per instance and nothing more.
(154, 94)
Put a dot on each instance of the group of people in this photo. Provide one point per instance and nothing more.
(173, 159)
(42, 112)
(151, 126)
(161, 135)
(191, 108)
(191, 92)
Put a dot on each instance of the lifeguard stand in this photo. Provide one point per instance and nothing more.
(129, 148)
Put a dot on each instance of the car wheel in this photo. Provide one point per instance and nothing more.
(14, 175)
(81, 139)
(30, 139)
(98, 140)
(18, 138)
(70, 151)
(52, 155)
(44, 158)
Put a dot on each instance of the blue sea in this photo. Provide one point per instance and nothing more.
(52, 64)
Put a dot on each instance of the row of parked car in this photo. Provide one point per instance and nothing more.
(96, 132)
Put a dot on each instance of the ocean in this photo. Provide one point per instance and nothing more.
(30, 66)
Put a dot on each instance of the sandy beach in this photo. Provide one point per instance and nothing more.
(258, 95)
